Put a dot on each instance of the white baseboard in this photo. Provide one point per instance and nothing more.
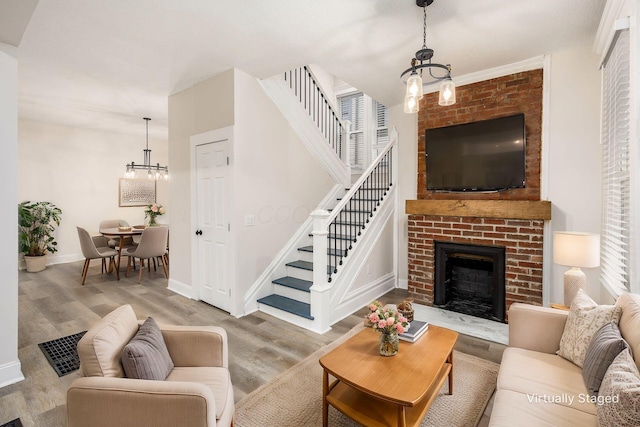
(181, 288)
(10, 373)
(403, 283)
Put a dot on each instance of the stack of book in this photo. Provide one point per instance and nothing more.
(415, 331)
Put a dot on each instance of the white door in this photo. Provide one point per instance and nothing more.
(212, 170)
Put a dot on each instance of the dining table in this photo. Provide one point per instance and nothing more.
(122, 232)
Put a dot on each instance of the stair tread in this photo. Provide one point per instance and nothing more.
(332, 251)
(305, 265)
(287, 304)
(294, 283)
(338, 237)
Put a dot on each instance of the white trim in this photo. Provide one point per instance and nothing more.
(403, 284)
(544, 180)
(180, 288)
(225, 133)
(10, 373)
(492, 73)
(606, 30)
(362, 296)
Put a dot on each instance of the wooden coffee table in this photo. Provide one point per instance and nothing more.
(374, 390)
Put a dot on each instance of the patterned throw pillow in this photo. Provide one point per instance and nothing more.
(606, 344)
(619, 396)
(146, 356)
(584, 320)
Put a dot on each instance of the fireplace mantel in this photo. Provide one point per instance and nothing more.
(505, 209)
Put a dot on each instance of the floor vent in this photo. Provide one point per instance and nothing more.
(62, 353)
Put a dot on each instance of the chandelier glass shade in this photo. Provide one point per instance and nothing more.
(421, 66)
(156, 171)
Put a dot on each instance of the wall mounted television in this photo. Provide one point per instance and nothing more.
(487, 155)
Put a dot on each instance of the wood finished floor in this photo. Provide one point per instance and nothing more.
(52, 304)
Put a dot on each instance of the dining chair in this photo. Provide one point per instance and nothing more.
(96, 248)
(153, 244)
(114, 241)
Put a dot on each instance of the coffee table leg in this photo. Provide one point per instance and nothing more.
(325, 391)
(402, 419)
(451, 373)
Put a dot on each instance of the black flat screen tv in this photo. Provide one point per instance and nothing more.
(481, 156)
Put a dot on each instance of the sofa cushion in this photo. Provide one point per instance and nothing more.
(100, 349)
(584, 320)
(606, 344)
(630, 323)
(620, 393)
(217, 379)
(541, 374)
(146, 357)
(511, 408)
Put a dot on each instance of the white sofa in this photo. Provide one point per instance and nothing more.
(535, 386)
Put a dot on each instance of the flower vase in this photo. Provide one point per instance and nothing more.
(389, 343)
(152, 221)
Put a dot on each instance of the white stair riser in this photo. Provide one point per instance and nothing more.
(286, 316)
(305, 256)
(300, 273)
(295, 294)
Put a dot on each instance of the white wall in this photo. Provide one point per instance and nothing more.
(574, 174)
(380, 262)
(79, 171)
(203, 107)
(407, 127)
(276, 180)
(10, 370)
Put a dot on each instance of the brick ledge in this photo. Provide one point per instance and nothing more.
(504, 209)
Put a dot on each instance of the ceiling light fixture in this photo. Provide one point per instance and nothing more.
(422, 61)
(153, 172)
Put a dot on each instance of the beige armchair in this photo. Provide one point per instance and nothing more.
(197, 392)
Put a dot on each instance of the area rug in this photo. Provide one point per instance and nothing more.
(62, 353)
(294, 398)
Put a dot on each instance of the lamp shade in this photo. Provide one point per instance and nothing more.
(411, 104)
(576, 249)
(447, 93)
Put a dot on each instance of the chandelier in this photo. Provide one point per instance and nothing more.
(420, 64)
(153, 172)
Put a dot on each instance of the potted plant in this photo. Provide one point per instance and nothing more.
(36, 223)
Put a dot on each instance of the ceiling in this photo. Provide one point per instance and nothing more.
(106, 64)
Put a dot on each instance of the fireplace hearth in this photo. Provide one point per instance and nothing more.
(470, 279)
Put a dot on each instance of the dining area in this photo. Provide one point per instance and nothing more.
(143, 246)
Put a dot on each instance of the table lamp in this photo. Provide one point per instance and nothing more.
(575, 249)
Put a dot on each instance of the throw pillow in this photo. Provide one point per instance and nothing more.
(606, 344)
(584, 320)
(619, 398)
(146, 356)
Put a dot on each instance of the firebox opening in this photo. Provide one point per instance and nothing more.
(469, 279)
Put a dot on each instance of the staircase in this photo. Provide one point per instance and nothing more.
(307, 283)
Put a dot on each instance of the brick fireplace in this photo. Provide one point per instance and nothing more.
(513, 219)
(522, 240)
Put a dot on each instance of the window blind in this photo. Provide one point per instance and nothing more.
(381, 119)
(616, 178)
(352, 109)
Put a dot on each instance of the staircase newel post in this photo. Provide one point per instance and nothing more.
(320, 295)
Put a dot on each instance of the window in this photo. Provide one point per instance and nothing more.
(369, 132)
(616, 167)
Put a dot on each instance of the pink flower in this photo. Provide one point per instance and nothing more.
(373, 317)
(390, 321)
(382, 324)
(154, 208)
(372, 307)
(400, 328)
(402, 320)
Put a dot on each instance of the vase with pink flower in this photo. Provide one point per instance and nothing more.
(389, 322)
(152, 212)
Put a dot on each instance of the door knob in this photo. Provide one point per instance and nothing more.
(199, 233)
